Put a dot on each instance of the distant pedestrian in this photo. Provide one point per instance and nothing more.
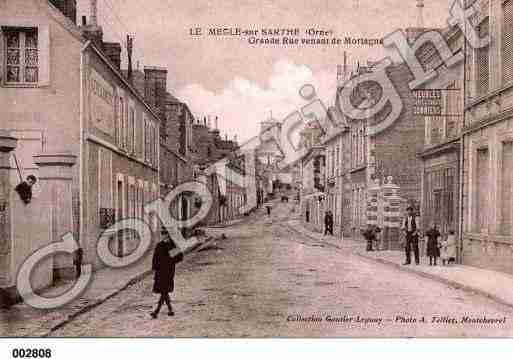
(268, 207)
(448, 248)
(24, 189)
(328, 223)
(164, 280)
(410, 228)
(433, 249)
(78, 257)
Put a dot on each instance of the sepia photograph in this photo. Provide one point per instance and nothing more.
(255, 169)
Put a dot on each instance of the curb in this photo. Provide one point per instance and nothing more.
(131, 281)
(290, 227)
(449, 282)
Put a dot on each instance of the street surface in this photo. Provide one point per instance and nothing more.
(264, 276)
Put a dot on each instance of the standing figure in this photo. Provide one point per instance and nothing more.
(328, 223)
(448, 248)
(433, 250)
(164, 280)
(24, 189)
(78, 257)
(410, 227)
(370, 236)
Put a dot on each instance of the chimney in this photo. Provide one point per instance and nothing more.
(113, 52)
(155, 83)
(94, 12)
(92, 31)
(129, 47)
(204, 120)
(217, 123)
(67, 7)
(420, 15)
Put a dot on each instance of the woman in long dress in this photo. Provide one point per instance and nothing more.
(164, 280)
(433, 250)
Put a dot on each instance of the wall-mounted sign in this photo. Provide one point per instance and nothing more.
(102, 103)
(427, 102)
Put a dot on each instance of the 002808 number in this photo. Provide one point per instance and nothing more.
(31, 353)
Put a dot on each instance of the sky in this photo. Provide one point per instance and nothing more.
(242, 83)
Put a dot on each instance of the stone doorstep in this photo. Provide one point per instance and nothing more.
(107, 295)
(450, 282)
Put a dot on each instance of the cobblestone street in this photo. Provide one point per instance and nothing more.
(264, 276)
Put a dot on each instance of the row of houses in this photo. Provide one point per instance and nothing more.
(452, 162)
(102, 141)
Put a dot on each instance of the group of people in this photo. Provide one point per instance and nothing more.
(445, 248)
(437, 247)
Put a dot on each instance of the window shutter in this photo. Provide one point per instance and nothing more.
(44, 54)
(2, 70)
(482, 62)
(507, 42)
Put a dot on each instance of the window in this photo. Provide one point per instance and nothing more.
(132, 131)
(120, 122)
(453, 103)
(506, 197)
(481, 192)
(482, 62)
(507, 41)
(22, 56)
(146, 140)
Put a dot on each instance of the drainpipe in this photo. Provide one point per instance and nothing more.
(81, 232)
(461, 159)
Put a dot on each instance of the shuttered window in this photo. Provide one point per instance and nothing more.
(506, 188)
(482, 62)
(507, 42)
(482, 189)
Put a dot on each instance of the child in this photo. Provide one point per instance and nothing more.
(370, 235)
(448, 248)
(433, 250)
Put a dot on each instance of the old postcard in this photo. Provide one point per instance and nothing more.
(276, 169)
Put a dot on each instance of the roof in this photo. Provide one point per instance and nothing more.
(118, 73)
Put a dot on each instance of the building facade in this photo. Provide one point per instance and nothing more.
(487, 197)
(442, 145)
(82, 129)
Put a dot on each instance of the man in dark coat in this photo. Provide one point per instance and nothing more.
(410, 227)
(328, 223)
(78, 257)
(24, 189)
(164, 280)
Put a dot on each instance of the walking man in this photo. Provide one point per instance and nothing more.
(328, 223)
(410, 227)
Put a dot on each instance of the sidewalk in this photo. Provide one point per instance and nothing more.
(495, 285)
(22, 320)
(334, 241)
